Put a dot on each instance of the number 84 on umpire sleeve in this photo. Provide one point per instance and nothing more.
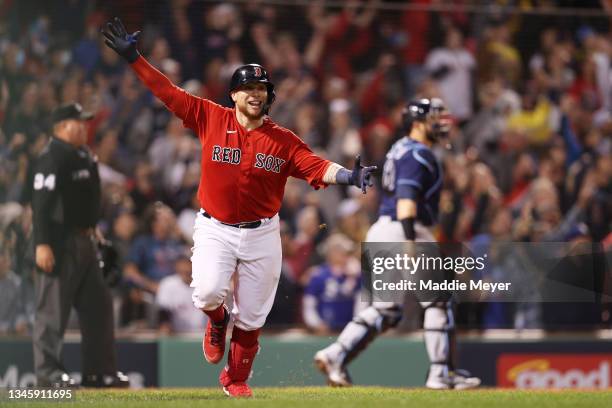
(41, 181)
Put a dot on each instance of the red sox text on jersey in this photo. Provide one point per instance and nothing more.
(232, 156)
(243, 173)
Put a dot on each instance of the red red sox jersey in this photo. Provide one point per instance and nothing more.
(243, 173)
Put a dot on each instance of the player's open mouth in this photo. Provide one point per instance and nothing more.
(255, 104)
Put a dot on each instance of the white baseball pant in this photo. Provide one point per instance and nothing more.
(385, 229)
(251, 257)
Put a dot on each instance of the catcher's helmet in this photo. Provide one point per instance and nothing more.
(427, 110)
(253, 73)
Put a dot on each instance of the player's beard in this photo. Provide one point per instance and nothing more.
(245, 111)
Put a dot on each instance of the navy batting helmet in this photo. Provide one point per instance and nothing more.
(427, 111)
(253, 73)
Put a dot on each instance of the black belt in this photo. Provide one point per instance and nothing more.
(248, 225)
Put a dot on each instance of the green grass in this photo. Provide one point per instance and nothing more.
(319, 397)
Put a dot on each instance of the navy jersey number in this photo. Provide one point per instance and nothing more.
(389, 175)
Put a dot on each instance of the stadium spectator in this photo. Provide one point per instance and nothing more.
(497, 56)
(152, 255)
(150, 258)
(187, 217)
(451, 67)
(13, 319)
(175, 159)
(123, 230)
(146, 189)
(352, 220)
(173, 297)
(344, 142)
(304, 252)
(331, 295)
(285, 310)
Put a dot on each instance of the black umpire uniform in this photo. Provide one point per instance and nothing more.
(66, 205)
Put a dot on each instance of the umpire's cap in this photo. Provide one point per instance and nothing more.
(70, 111)
(253, 73)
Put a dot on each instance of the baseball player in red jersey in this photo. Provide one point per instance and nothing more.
(246, 160)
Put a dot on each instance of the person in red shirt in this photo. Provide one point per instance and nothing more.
(246, 160)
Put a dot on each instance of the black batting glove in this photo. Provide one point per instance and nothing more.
(124, 44)
(361, 176)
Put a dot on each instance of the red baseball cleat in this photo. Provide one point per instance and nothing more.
(234, 375)
(213, 344)
(238, 389)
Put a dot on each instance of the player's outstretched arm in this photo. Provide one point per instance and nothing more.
(360, 176)
(180, 102)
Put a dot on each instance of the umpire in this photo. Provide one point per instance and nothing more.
(66, 204)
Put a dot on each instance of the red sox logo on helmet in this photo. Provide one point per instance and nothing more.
(257, 72)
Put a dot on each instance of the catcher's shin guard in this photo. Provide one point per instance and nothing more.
(439, 327)
(364, 328)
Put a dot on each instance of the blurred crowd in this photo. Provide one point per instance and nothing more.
(528, 158)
